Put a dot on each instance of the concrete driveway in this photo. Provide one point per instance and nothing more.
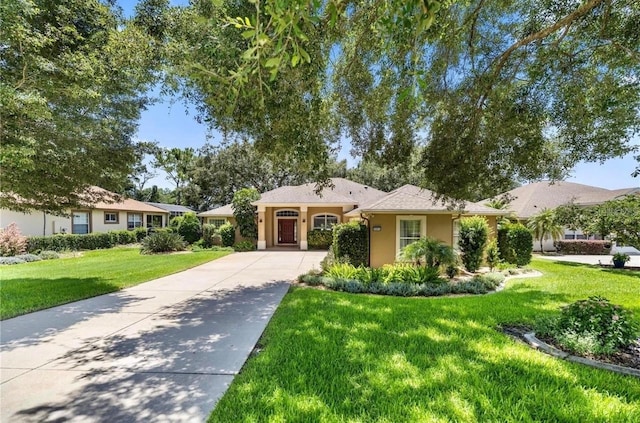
(164, 350)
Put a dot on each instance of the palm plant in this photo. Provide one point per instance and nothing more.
(434, 252)
(544, 225)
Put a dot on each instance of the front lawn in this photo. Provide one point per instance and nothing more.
(34, 286)
(330, 356)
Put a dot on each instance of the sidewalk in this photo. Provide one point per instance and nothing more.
(165, 350)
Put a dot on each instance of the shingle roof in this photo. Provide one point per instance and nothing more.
(600, 197)
(169, 207)
(120, 203)
(224, 211)
(413, 199)
(343, 191)
(531, 199)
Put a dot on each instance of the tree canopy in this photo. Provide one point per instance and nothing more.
(498, 91)
(72, 84)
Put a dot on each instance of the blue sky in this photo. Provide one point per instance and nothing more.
(172, 125)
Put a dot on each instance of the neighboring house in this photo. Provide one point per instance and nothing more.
(529, 200)
(218, 216)
(94, 217)
(173, 209)
(395, 219)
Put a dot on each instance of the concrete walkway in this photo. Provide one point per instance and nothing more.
(635, 260)
(164, 350)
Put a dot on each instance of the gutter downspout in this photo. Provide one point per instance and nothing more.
(362, 216)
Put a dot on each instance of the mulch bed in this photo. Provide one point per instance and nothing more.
(628, 357)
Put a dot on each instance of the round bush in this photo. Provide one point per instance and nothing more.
(228, 234)
(49, 255)
(190, 228)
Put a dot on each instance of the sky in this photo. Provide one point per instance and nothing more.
(172, 124)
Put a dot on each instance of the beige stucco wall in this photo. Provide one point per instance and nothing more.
(35, 223)
(383, 242)
(98, 225)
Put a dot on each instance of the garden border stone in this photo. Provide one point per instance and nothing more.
(543, 346)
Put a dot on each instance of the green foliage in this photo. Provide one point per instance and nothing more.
(245, 245)
(592, 326)
(49, 255)
(228, 234)
(583, 246)
(515, 243)
(163, 242)
(319, 239)
(544, 225)
(492, 254)
(29, 257)
(474, 233)
(619, 217)
(351, 240)
(521, 241)
(73, 82)
(178, 164)
(245, 212)
(210, 236)
(435, 253)
(189, 227)
(175, 222)
(140, 233)
(11, 260)
(12, 242)
(123, 237)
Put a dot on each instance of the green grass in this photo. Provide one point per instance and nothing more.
(34, 286)
(332, 356)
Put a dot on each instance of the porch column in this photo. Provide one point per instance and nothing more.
(262, 225)
(303, 228)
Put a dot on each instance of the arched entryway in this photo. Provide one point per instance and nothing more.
(286, 227)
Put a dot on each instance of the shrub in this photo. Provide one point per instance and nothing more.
(592, 326)
(49, 255)
(162, 242)
(474, 232)
(175, 222)
(11, 260)
(245, 245)
(521, 241)
(210, 236)
(351, 240)
(29, 257)
(406, 273)
(12, 242)
(342, 270)
(189, 227)
(515, 243)
(433, 252)
(330, 259)
(140, 233)
(583, 247)
(490, 280)
(123, 237)
(227, 234)
(492, 254)
(319, 239)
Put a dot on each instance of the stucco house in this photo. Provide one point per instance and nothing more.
(531, 199)
(174, 210)
(395, 219)
(123, 214)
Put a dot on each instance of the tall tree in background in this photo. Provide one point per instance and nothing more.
(499, 91)
(220, 171)
(177, 164)
(72, 85)
(143, 169)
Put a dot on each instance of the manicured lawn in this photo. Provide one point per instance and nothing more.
(34, 286)
(332, 356)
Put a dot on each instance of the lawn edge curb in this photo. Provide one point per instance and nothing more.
(543, 346)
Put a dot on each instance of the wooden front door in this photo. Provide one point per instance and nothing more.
(287, 231)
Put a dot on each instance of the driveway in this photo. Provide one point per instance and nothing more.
(164, 350)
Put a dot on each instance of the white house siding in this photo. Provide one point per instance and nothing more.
(35, 223)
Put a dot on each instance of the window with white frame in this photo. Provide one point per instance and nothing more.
(110, 217)
(409, 229)
(134, 220)
(80, 223)
(324, 221)
(216, 221)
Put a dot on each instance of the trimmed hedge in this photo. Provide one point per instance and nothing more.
(515, 243)
(583, 247)
(92, 241)
(351, 240)
(319, 239)
(474, 234)
(210, 236)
